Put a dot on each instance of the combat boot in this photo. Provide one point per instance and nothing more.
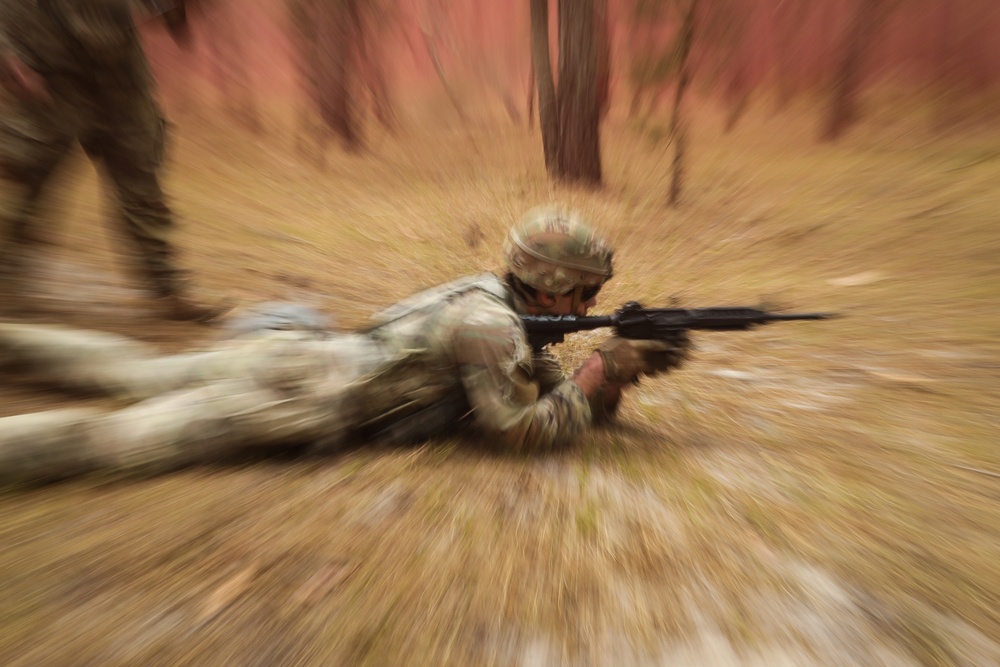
(182, 306)
(177, 303)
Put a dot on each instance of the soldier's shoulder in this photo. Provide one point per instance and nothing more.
(484, 323)
(479, 308)
(434, 298)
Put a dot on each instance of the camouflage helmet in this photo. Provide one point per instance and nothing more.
(555, 250)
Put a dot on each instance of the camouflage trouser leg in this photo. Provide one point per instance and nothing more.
(131, 151)
(32, 144)
(103, 363)
(251, 393)
(148, 221)
(207, 423)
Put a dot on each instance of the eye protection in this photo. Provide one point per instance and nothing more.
(586, 293)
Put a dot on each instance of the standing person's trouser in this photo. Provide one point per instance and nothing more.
(121, 130)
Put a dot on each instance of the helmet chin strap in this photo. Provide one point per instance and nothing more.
(577, 297)
(527, 298)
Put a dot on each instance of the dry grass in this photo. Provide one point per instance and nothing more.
(821, 494)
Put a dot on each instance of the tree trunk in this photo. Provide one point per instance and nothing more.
(439, 70)
(335, 50)
(947, 73)
(548, 120)
(578, 150)
(379, 89)
(642, 45)
(738, 91)
(432, 52)
(531, 95)
(678, 167)
(678, 129)
(602, 37)
(788, 18)
(231, 74)
(372, 71)
(843, 110)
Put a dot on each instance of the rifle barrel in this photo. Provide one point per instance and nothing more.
(801, 316)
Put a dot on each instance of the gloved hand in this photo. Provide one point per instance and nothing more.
(626, 359)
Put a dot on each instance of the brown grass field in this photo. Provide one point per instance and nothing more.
(806, 494)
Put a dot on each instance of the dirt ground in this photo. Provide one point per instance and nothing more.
(806, 494)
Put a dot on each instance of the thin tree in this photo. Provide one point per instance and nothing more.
(430, 23)
(231, 76)
(303, 16)
(678, 127)
(843, 111)
(531, 94)
(340, 68)
(548, 120)
(338, 31)
(648, 68)
(569, 117)
(786, 24)
(579, 152)
(724, 28)
(378, 23)
(602, 35)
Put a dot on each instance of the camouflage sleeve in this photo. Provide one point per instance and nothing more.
(495, 363)
(548, 371)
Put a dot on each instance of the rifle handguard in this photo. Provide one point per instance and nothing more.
(634, 322)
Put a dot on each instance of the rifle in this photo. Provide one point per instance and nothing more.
(634, 321)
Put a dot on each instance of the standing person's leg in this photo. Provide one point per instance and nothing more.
(33, 142)
(131, 147)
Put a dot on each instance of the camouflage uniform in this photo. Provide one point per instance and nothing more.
(453, 352)
(94, 68)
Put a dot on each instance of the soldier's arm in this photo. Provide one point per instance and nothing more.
(495, 363)
(603, 396)
(548, 372)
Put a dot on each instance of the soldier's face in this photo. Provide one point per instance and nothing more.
(562, 304)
